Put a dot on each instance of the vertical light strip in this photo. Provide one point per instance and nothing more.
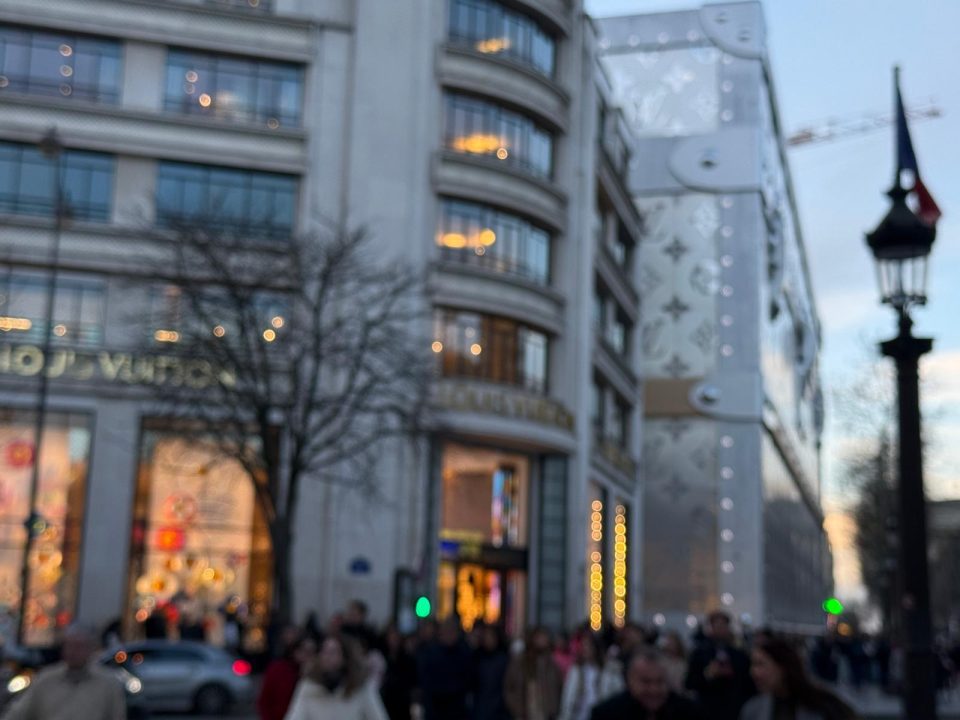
(595, 596)
(620, 566)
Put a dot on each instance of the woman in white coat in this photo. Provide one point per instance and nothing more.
(581, 688)
(786, 691)
(336, 687)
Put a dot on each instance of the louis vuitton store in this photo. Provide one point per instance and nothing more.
(135, 518)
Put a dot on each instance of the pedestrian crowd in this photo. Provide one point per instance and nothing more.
(347, 671)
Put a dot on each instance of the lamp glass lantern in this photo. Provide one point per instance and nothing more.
(901, 247)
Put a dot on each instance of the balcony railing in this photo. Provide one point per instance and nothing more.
(264, 6)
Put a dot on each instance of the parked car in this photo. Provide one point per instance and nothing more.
(183, 676)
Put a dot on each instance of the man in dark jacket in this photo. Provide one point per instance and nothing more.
(719, 672)
(647, 696)
(445, 672)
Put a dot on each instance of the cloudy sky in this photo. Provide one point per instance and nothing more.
(833, 59)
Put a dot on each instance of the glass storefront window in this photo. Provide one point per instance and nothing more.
(247, 202)
(480, 127)
(63, 65)
(233, 88)
(200, 549)
(490, 348)
(483, 537)
(27, 188)
(492, 29)
(61, 499)
(484, 237)
(78, 310)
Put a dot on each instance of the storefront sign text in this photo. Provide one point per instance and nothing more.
(504, 403)
(114, 367)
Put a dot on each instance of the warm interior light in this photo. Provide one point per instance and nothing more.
(493, 45)
(437, 346)
(476, 349)
(166, 336)
(269, 335)
(453, 240)
(487, 237)
(479, 144)
(14, 323)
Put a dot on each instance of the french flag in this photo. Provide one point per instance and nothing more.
(927, 209)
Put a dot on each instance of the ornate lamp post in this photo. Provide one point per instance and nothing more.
(901, 246)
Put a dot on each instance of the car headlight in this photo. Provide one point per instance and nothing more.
(133, 685)
(18, 683)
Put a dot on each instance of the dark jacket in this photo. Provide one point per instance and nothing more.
(490, 668)
(724, 696)
(399, 681)
(625, 707)
(444, 673)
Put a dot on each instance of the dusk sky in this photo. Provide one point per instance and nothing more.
(834, 59)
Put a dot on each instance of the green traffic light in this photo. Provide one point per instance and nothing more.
(423, 607)
(833, 606)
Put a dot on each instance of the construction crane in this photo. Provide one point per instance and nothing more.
(837, 129)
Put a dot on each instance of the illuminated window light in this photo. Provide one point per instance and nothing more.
(166, 336)
(437, 346)
(487, 237)
(492, 46)
(453, 240)
(479, 144)
(14, 323)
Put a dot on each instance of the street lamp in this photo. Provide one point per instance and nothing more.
(901, 246)
(52, 149)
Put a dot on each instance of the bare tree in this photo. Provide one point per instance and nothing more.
(317, 350)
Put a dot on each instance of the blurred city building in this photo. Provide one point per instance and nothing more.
(730, 337)
(476, 139)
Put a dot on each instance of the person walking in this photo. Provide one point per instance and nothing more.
(444, 673)
(336, 687)
(490, 662)
(399, 677)
(674, 660)
(283, 673)
(73, 688)
(719, 672)
(787, 693)
(581, 688)
(648, 696)
(533, 686)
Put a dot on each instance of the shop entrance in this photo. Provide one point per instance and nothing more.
(482, 574)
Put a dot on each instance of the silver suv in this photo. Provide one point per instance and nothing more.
(185, 675)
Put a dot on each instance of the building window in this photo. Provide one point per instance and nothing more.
(236, 89)
(484, 534)
(620, 246)
(35, 62)
(199, 544)
(55, 556)
(78, 310)
(481, 236)
(244, 202)
(610, 415)
(611, 322)
(490, 348)
(27, 182)
(489, 28)
(212, 317)
(479, 127)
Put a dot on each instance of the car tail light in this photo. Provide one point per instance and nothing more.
(241, 667)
